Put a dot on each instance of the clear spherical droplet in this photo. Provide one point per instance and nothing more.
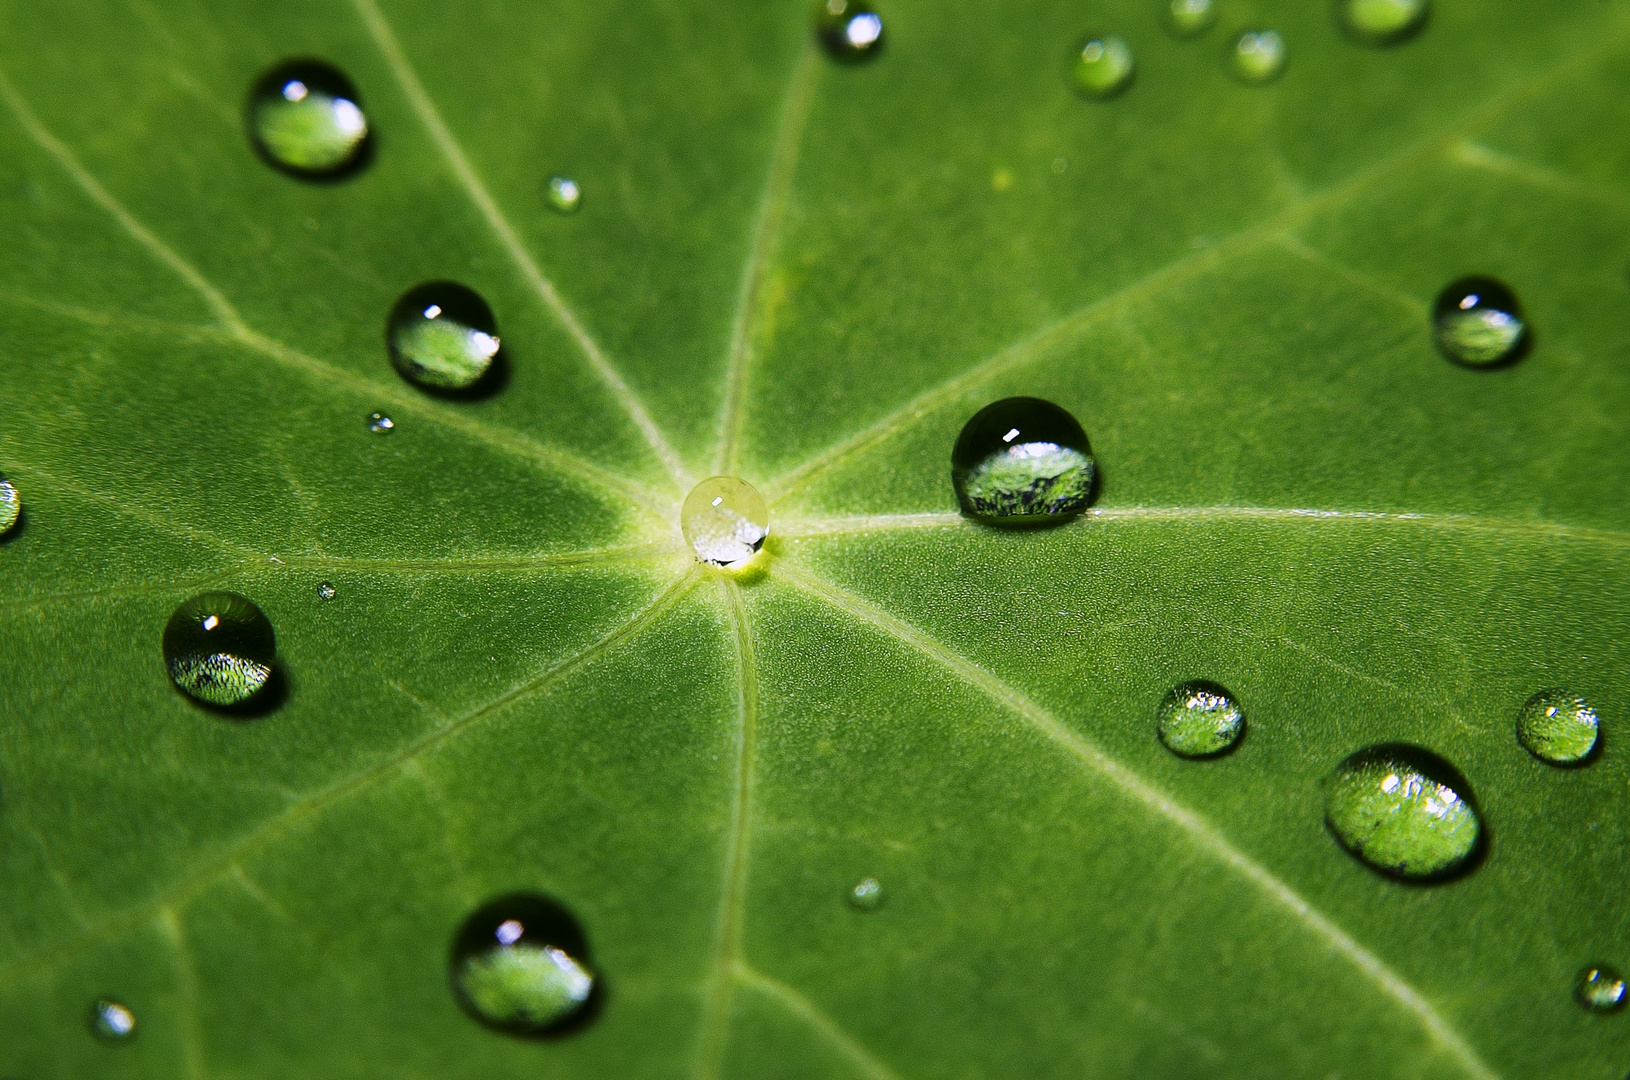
(1478, 322)
(1104, 66)
(111, 1020)
(305, 117)
(1599, 988)
(1557, 727)
(1199, 719)
(11, 506)
(849, 29)
(326, 590)
(867, 894)
(1403, 810)
(1382, 22)
(380, 424)
(564, 194)
(725, 521)
(1190, 18)
(1022, 461)
(220, 648)
(1257, 56)
(442, 335)
(520, 964)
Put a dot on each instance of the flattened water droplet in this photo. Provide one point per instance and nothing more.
(725, 521)
(1257, 56)
(1403, 810)
(849, 29)
(1599, 988)
(1022, 461)
(520, 964)
(1199, 719)
(220, 648)
(1382, 22)
(867, 895)
(1190, 18)
(112, 1021)
(380, 424)
(11, 506)
(1104, 66)
(305, 117)
(326, 590)
(1478, 322)
(564, 194)
(442, 335)
(1557, 727)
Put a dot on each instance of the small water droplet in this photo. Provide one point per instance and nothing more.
(11, 506)
(520, 964)
(1021, 461)
(1557, 727)
(380, 424)
(1190, 18)
(1403, 810)
(326, 590)
(1104, 66)
(1382, 22)
(305, 117)
(1257, 56)
(442, 336)
(867, 894)
(1599, 988)
(1478, 322)
(564, 194)
(1199, 719)
(219, 648)
(112, 1021)
(725, 521)
(849, 29)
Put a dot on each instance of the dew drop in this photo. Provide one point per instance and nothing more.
(442, 336)
(1557, 727)
(1022, 461)
(1478, 322)
(1599, 988)
(725, 521)
(111, 1020)
(849, 29)
(1104, 66)
(305, 117)
(1382, 22)
(564, 194)
(1199, 719)
(1257, 56)
(380, 424)
(1403, 810)
(1190, 18)
(520, 964)
(867, 894)
(219, 648)
(326, 590)
(11, 506)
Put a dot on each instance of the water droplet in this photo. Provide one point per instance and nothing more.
(520, 964)
(1104, 66)
(1558, 727)
(1478, 323)
(326, 590)
(1199, 719)
(380, 424)
(442, 336)
(1021, 461)
(1190, 18)
(219, 648)
(1403, 810)
(1257, 56)
(564, 194)
(1599, 988)
(1382, 22)
(1060, 165)
(725, 521)
(11, 506)
(111, 1020)
(305, 117)
(867, 895)
(849, 29)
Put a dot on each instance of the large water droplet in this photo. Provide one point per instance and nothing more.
(305, 117)
(442, 336)
(520, 964)
(1599, 988)
(1190, 18)
(1478, 322)
(1403, 810)
(867, 894)
(11, 506)
(1558, 727)
(1382, 22)
(220, 648)
(380, 424)
(1199, 719)
(725, 521)
(111, 1020)
(849, 29)
(1257, 56)
(1104, 66)
(1022, 461)
(564, 194)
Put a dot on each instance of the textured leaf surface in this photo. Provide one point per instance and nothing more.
(809, 275)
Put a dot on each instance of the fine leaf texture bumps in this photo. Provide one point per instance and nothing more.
(809, 274)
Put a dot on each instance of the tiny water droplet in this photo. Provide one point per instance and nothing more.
(867, 894)
(1199, 719)
(1021, 461)
(1190, 18)
(849, 29)
(219, 648)
(442, 335)
(725, 521)
(564, 194)
(1599, 988)
(1557, 727)
(11, 506)
(1382, 22)
(305, 117)
(520, 964)
(326, 590)
(1257, 56)
(380, 424)
(1060, 165)
(1403, 810)
(1104, 66)
(1478, 322)
(112, 1021)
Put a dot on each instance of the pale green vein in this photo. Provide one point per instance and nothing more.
(109, 592)
(1412, 305)
(186, 983)
(1475, 155)
(430, 117)
(865, 1062)
(1204, 836)
(476, 564)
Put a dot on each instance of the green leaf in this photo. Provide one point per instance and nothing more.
(810, 274)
